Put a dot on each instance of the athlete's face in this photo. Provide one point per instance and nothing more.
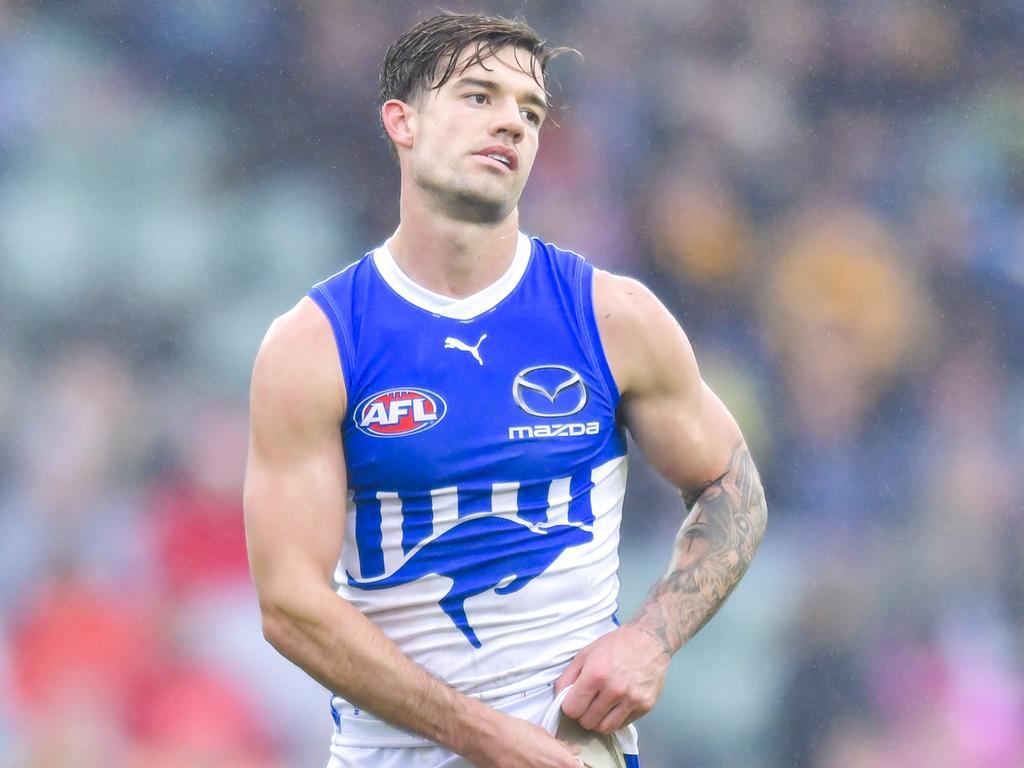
(475, 138)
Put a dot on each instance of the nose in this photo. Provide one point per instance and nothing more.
(509, 120)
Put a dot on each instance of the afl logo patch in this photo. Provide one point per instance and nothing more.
(399, 412)
(551, 391)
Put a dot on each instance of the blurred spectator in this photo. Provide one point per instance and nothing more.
(196, 512)
(77, 654)
(849, 324)
(187, 716)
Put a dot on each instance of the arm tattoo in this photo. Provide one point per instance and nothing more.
(713, 550)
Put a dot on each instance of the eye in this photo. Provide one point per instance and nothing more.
(530, 116)
(477, 98)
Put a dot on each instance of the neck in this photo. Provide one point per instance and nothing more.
(449, 257)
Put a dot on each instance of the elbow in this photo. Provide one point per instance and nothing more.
(278, 624)
(288, 616)
(294, 614)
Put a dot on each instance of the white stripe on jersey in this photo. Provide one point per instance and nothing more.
(558, 502)
(505, 499)
(445, 505)
(391, 529)
(609, 486)
(350, 539)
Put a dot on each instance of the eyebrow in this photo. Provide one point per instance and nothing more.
(528, 97)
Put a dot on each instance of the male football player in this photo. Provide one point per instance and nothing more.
(438, 453)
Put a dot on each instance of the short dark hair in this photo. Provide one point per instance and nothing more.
(425, 57)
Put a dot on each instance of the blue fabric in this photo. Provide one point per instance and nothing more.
(424, 417)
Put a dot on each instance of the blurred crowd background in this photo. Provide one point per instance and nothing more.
(828, 194)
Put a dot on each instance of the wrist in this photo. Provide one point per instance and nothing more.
(656, 637)
(471, 729)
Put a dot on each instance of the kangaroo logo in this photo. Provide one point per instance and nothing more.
(515, 550)
(452, 343)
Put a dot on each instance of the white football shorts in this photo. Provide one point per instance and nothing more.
(540, 706)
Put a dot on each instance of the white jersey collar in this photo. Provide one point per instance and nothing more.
(446, 306)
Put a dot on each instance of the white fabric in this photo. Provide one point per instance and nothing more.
(529, 635)
(597, 751)
(540, 706)
(458, 309)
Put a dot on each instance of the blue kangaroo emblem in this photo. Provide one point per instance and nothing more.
(477, 555)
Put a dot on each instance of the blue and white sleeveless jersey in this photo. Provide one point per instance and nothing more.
(486, 467)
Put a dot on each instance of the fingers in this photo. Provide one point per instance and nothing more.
(571, 673)
(526, 743)
(600, 708)
(581, 697)
(573, 748)
(574, 751)
(603, 705)
(614, 682)
(617, 717)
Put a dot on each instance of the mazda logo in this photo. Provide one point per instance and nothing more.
(551, 391)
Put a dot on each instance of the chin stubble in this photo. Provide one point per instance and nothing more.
(464, 204)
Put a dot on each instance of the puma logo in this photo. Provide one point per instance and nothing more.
(452, 343)
(481, 554)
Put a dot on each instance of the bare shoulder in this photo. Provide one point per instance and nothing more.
(297, 376)
(645, 345)
(681, 426)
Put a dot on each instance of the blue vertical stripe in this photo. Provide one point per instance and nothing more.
(417, 521)
(474, 501)
(368, 538)
(581, 510)
(533, 502)
(632, 761)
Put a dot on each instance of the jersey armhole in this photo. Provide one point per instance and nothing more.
(588, 322)
(346, 354)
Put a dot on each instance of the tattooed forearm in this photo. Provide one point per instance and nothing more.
(691, 495)
(713, 550)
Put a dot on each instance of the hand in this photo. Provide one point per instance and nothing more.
(516, 743)
(616, 680)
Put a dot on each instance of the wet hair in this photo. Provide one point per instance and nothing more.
(427, 56)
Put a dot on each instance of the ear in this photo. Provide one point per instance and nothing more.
(399, 121)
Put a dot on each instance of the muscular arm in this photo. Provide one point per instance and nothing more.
(295, 505)
(689, 436)
(712, 551)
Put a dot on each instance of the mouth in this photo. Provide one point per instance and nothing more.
(503, 156)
